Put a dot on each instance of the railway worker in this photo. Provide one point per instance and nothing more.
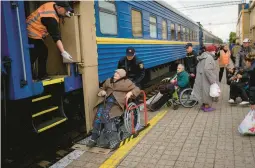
(40, 23)
(133, 66)
(190, 62)
(111, 103)
(240, 57)
(225, 61)
(206, 76)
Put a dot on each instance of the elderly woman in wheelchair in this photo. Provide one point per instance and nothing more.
(111, 105)
(177, 90)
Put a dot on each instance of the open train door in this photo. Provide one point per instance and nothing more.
(89, 57)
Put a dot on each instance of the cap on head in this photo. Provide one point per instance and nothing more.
(121, 72)
(65, 5)
(246, 40)
(188, 45)
(210, 48)
(130, 51)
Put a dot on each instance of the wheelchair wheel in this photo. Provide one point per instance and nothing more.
(128, 118)
(186, 99)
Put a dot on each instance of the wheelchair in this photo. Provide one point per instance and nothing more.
(123, 127)
(178, 97)
(183, 97)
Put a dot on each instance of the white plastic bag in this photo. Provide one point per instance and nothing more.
(248, 124)
(215, 90)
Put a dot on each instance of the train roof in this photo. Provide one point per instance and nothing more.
(210, 33)
(165, 4)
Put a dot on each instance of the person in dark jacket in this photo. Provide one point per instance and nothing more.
(240, 57)
(190, 62)
(238, 85)
(250, 64)
(133, 66)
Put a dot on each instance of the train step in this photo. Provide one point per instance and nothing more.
(51, 109)
(41, 98)
(47, 109)
(49, 124)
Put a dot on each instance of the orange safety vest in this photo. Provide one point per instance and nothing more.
(224, 58)
(35, 28)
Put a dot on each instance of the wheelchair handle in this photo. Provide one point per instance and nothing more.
(136, 106)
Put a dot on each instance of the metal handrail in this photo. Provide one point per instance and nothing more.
(144, 110)
(21, 44)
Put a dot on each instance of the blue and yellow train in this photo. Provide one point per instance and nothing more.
(33, 110)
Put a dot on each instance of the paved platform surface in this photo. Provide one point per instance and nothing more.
(189, 138)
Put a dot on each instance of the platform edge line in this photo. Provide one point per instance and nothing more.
(123, 150)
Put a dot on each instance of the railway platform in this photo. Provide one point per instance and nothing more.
(182, 138)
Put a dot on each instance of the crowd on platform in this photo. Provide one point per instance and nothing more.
(199, 72)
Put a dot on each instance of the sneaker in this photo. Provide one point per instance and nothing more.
(244, 103)
(138, 127)
(231, 101)
(209, 109)
(91, 143)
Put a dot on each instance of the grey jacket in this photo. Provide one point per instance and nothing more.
(207, 74)
(240, 57)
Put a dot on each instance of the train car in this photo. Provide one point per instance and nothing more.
(37, 112)
(207, 38)
(156, 30)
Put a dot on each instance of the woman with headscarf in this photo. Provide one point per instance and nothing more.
(111, 103)
(207, 73)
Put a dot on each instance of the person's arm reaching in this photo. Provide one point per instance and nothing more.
(51, 25)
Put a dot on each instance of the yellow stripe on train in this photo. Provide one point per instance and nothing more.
(105, 40)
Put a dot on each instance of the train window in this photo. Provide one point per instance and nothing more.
(107, 17)
(187, 34)
(164, 30)
(179, 32)
(172, 32)
(190, 35)
(193, 35)
(137, 23)
(184, 34)
(153, 27)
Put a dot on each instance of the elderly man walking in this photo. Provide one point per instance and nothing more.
(206, 75)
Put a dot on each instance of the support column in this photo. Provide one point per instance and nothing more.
(89, 58)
